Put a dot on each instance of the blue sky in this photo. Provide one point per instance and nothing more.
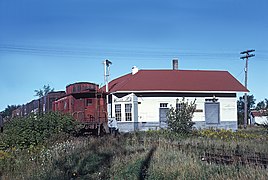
(65, 41)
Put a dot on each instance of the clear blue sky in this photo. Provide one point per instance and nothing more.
(59, 42)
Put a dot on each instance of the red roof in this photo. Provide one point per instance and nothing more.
(177, 80)
(260, 113)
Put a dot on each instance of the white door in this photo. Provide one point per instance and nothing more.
(212, 112)
(163, 117)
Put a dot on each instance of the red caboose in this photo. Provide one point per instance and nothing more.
(86, 103)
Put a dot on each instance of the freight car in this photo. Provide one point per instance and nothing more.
(46, 102)
(38, 106)
(86, 102)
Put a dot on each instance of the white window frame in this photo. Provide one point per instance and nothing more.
(118, 114)
(128, 112)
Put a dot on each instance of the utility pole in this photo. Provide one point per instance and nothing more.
(246, 56)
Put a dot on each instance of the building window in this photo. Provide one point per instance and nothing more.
(118, 114)
(128, 113)
(163, 105)
(88, 102)
(180, 106)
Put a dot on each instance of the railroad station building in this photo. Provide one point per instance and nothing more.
(140, 100)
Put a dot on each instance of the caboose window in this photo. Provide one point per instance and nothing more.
(128, 113)
(65, 105)
(89, 102)
(79, 88)
(118, 114)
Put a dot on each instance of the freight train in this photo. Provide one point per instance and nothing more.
(38, 106)
(85, 101)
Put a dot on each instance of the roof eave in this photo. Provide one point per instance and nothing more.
(167, 91)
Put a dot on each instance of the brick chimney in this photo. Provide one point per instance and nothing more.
(134, 70)
(175, 63)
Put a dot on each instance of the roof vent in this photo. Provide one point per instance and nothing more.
(175, 63)
(134, 70)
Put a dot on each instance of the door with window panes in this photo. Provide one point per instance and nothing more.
(163, 110)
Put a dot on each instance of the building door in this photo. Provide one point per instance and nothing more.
(163, 115)
(212, 112)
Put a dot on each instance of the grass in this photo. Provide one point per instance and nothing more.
(175, 157)
(181, 165)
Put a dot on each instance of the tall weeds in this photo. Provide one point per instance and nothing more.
(176, 157)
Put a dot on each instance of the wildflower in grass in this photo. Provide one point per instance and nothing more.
(4, 155)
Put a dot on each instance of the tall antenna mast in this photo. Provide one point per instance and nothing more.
(107, 73)
(107, 64)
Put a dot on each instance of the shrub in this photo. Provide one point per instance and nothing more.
(32, 130)
(180, 118)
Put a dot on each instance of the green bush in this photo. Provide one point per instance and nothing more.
(33, 130)
(180, 118)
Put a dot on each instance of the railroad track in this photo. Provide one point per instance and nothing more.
(217, 155)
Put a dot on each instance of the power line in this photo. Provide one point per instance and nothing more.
(143, 54)
(119, 49)
(246, 78)
(118, 52)
(237, 76)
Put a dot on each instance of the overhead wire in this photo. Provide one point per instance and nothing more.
(153, 53)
